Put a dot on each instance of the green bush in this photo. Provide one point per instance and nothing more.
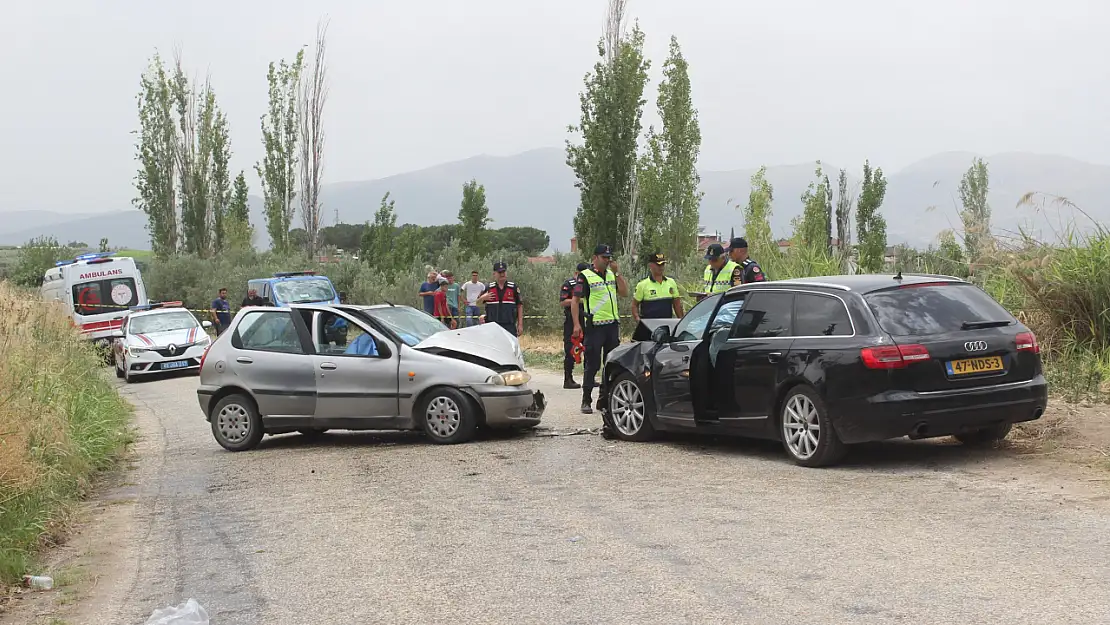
(61, 421)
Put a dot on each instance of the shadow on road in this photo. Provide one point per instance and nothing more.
(896, 454)
(346, 438)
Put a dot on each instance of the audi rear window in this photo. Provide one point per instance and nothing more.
(935, 309)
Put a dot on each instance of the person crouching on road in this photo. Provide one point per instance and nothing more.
(597, 294)
(566, 300)
(656, 297)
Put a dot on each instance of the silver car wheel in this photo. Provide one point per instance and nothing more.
(626, 404)
(444, 416)
(234, 423)
(800, 426)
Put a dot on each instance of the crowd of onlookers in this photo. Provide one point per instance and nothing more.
(456, 304)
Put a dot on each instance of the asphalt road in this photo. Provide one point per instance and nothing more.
(360, 528)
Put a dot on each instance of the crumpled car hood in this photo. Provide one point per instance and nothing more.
(489, 341)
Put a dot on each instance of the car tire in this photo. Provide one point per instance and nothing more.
(448, 416)
(629, 422)
(313, 432)
(117, 366)
(807, 433)
(985, 436)
(236, 424)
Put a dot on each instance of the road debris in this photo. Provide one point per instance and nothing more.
(188, 613)
(38, 582)
(566, 431)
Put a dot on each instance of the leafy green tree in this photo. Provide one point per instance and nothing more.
(828, 217)
(104, 245)
(238, 232)
(843, 219)
(870, 224)
(412, 244)
(313, 96)
(757, 216)
(277, 171)
(378, 238)
(35, 257)
(812, 226)
(217, 141)
(192, 183)
(473, 219)
(605, 163)
(522, 239)
(669, 195)
(976, 213)
(343, 236)
(156, 152)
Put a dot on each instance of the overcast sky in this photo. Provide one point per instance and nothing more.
(414, 84)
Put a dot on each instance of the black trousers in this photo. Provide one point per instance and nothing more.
(599, 340)
(568, 348)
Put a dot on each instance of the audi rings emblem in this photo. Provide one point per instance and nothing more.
(173, 348)
(975, 346)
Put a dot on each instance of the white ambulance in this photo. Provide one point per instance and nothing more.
(97, 290)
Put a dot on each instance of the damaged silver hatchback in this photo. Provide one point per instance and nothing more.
(314, 368)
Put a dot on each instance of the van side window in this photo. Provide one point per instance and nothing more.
(104, 296)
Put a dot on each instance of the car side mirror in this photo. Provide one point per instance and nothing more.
(662, 334)
(206, 324)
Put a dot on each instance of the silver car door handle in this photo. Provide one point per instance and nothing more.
(774, 356)
(327, 365)
(244, 360)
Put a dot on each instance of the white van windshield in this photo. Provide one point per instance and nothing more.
(304, 291)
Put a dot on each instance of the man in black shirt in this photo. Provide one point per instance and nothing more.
(252, 299)
(566, 300)
(504, 304)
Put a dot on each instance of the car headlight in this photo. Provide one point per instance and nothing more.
(135, 351)
(509, 378)
(204, 340)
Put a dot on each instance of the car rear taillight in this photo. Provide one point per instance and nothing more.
(893, 356)
(205, 355)
(1027, 342)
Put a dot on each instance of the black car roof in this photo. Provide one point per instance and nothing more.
(865, 283)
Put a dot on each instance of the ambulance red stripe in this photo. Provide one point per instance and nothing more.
(99, 326)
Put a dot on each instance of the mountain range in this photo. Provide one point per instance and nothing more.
(536, 188)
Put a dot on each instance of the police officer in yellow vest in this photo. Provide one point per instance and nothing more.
(656, 297)
(721, 274)
(598, 289)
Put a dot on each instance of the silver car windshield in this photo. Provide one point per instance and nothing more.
(304, 291)
(413, 326)
(165, 322)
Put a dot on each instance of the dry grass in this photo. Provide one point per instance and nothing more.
(542, 344)
(60, 421)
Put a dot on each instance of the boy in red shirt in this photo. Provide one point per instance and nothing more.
(440, 309)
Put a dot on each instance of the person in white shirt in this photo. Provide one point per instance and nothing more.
(472, 290)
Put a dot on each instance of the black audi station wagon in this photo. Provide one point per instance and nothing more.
(823, 363)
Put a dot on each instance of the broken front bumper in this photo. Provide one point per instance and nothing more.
(512, 406)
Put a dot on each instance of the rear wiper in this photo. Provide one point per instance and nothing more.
(977, 325)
